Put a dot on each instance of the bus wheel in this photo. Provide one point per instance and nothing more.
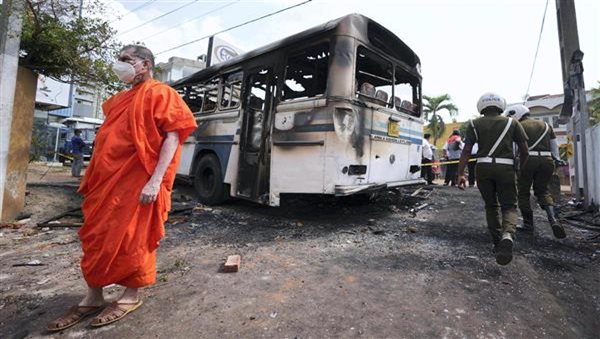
(208, 180)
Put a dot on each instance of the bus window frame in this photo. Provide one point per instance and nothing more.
(416, 90)
(222, 89)
(312, 43)
(204, 95)
(373, 99)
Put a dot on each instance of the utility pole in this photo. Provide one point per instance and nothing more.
(575, 104)
(10, 40)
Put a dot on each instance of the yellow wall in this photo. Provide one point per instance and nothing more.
(449, 128)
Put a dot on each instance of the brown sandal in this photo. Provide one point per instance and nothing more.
(115, 311)
(74, 315)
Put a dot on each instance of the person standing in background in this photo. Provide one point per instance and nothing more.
(471, 165)
(452, 150)
(77, 146)
(426, 160)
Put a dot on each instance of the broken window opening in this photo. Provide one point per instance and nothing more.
(374, 78)
(255, 109)
(211, 93)
(232, 86)
(406, 93)
(191, 96)
(306, 72)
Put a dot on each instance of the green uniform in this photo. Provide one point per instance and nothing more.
(495, 171)
(539, 167)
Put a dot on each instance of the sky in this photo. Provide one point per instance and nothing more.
(466, 47)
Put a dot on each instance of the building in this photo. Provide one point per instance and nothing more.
(56, 101)
(177, 68)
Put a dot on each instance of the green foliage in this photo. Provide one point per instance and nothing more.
(436, 127)
(431, 107)
(594, 106)
(60, 44)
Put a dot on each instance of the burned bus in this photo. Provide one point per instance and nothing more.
(333, 110)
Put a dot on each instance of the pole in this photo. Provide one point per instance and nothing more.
(210, 51)
(10, 40)
(572, 74)
(56, 143)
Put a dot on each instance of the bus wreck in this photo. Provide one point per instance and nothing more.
(333, 110)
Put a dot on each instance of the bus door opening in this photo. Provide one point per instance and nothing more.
(253, 170)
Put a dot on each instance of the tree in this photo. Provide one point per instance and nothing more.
(431, 109)
(59, 42)
(594, 106)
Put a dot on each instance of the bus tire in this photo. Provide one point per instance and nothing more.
(208, 181)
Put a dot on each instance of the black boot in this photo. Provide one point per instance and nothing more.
(527, 226)
(504, 249)
(557, 228)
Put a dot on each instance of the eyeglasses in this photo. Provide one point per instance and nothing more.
(130, 60)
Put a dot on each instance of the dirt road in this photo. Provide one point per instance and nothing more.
(317, 268)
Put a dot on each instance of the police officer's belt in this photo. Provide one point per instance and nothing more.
(490, 160)
(540, 153)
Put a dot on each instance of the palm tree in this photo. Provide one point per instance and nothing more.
(431, 107)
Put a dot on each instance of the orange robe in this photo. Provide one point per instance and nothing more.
(120, 236)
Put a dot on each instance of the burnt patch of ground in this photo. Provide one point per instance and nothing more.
(324, 268)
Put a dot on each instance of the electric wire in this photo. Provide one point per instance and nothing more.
(158, 17)
(537, 49)
(189, 20)
(149, 2)
(233, 27)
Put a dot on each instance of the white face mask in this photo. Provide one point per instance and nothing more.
(124, 71)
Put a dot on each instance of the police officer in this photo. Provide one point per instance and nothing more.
(538, 170)
(495, 135)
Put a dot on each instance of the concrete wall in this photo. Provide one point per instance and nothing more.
(593, 159)
(20, 140)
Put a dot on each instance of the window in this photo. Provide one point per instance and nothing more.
(255, 108)
(374, 77)
(406, 92)
(201, 98)
(190, 94)
(211, 93)
(232, 85)
(306, 72)
(555, 122)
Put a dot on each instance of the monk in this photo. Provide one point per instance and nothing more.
(127, 189)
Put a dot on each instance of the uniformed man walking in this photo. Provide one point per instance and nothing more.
(495, 135)
(538, 170)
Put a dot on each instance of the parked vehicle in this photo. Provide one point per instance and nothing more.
(332, 110)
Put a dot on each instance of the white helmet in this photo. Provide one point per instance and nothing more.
(491, 100)
(516, 111)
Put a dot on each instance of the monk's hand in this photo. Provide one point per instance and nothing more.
(150, 192)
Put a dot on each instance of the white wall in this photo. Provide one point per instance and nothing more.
(593, 160)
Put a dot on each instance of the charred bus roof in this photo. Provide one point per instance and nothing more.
(354, 25)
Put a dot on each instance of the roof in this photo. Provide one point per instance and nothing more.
(549, 101)
(352, 25)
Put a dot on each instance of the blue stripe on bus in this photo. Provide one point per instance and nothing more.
(378, 125)
(416, 141)
(221, 150)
